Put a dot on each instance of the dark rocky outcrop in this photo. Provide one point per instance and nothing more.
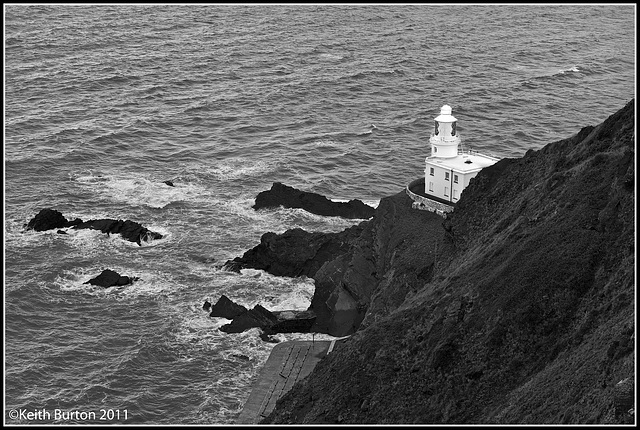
(348, 266)
(109, 278)
(289, 197)
(270, 323)
(206, 305)
(256, 317)
(292, 322)
(170, 183)
(48, 219)
(295, 252)
(225, 308)
(129, 230)
(518, 308)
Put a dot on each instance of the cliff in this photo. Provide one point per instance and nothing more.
(519, 308)
(360, 273)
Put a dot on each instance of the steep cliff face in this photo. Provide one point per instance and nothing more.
(391, 257)
(520, 311)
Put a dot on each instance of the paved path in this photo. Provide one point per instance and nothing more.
(289, 362)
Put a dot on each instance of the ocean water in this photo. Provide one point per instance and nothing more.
(105, 102)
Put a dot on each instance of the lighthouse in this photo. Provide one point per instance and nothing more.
(445, 140)
(449, 168)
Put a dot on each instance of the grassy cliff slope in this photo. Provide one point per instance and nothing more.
(526, 314)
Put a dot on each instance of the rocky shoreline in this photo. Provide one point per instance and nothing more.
(348, 266)
(269, 322)
(518, 308)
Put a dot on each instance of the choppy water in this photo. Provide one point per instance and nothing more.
(104, 103)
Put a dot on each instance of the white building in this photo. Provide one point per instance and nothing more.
(449, 169)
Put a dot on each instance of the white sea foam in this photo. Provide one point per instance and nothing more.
(572, 69)
(254, 273)
(136, 190)
(372, 203)
(291, 294)
(92, 242)
(331, 57)
(325, 143)
(235, 168)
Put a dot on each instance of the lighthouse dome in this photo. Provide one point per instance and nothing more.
(445, 115)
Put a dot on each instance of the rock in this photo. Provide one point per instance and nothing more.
(300, 322)
(270, 322)
(346, 265)
(256, 317)
(225, 308)
(48, 219)
(109, 278)
(295, 252)
(169, 183)
(206, 305)
(289, 197)
(129, 230)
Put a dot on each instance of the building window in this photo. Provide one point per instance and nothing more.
(431, 172)
(446, 191)
(455, 194)
(446, 176)
(436, 129)
(435, 149)
(453, 129)
(430, 186)
(455, 178)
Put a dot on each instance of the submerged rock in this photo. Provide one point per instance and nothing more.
(289, 197)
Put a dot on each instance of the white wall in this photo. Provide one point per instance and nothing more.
(439, 181)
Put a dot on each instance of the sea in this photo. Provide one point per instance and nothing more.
(105, 102)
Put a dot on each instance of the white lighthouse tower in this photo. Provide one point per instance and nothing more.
(448, 170)
(445, 139)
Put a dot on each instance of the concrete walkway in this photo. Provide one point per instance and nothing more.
(288, 363)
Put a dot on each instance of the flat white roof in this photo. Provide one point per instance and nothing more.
(461, 163)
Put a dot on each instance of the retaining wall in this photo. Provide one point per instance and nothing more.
(425, 203)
